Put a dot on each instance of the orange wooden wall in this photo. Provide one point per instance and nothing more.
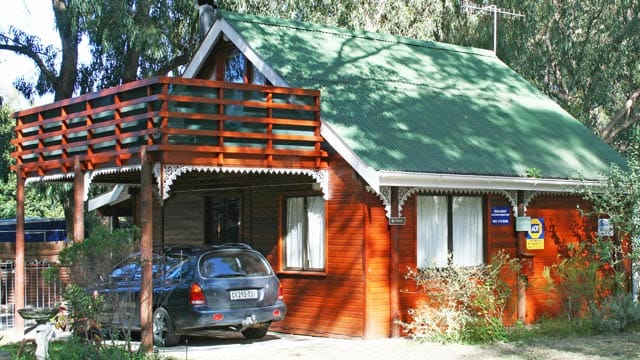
(562, 225)
(351, 298)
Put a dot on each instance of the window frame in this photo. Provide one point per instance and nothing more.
(305, 269)
(450, 228)
(227, 199)
(249, 75)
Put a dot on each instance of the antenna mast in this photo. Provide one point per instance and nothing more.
(475, 9)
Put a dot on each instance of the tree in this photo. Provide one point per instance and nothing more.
(61, 80)
(138, 39)
(129, 40)
(37, 204)
(584, 55)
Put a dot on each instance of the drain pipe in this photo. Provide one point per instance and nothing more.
(207, 10)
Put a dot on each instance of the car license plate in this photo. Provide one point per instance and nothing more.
(243, 294)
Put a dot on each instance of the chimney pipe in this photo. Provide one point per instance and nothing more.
(207, 10)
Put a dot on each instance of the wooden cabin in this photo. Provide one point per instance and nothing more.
(347, 157)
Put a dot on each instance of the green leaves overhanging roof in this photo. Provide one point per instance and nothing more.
(424, 107)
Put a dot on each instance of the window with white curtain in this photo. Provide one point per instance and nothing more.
(304, 245)
(449, 225)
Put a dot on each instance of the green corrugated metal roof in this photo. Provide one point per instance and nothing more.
(406, 105)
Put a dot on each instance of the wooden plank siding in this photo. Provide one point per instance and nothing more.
(563, 225)
(378, 252)
(335, 303)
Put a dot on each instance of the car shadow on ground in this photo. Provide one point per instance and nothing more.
(192, 345)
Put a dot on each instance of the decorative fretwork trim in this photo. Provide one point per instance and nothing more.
(48, 178)
(171, 172)
(405, 193)
(385, 196)
(89, 176)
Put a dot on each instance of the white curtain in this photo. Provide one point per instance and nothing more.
(467, 231)
(432, 231)
(294, 237)
(315, 232)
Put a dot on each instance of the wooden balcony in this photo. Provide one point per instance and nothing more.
(180, 121)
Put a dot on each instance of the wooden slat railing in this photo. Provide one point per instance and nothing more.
(180, 121)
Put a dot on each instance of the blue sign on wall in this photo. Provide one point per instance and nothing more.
(500, 215)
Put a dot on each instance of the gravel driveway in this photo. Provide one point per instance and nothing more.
(284, 347)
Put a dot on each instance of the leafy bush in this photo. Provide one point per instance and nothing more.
(88, 262)
(464, 304)
(576, 281)
(75, 349)
(616, 313)
(90, 259)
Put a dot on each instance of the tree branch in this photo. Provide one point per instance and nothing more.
(622, 119)
(28, 52)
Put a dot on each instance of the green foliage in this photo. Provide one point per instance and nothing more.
(90, 259)
(577, 281)
(551, 328)
(76, 349)
(534, 173)
(137, 39)
(616, 313)
(464, 304)
(81, 305)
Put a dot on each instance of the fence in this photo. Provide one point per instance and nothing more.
(38, 292)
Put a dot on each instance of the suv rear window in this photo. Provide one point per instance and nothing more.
(233, 264)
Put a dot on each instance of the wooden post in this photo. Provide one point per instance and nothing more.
(526, 263)
(19, 290)
(78, 202)
(394, 296)
(146, 249)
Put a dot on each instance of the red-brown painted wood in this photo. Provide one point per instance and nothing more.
(108, 128)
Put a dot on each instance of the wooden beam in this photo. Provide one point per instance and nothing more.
(394, 296)
(146, 249)
(19, 290)
(78, 202)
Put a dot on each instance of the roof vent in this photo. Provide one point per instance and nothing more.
(207, 10)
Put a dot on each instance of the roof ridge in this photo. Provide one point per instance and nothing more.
(353, 33)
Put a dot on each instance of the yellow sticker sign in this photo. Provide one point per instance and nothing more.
(535, 236)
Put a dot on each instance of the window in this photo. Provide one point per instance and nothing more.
(222, 219)
(304, 246)
(450, 224)
(238, 70)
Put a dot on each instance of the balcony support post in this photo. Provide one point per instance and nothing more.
(146, 249)
(78, 201)
(19, 291)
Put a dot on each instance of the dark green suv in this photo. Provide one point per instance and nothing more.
(225, 287)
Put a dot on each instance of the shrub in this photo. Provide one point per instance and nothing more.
(463, 304)
(576, 281)
(89, 261)
(98, 254)
(616, 313)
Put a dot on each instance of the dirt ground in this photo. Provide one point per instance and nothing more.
(285, 347)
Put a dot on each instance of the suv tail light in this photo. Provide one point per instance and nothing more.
(196, 296)
(280, 293)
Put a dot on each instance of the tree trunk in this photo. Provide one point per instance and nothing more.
(69, 37)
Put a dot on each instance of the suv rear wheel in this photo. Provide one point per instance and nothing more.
(163, 330)
(256, 332)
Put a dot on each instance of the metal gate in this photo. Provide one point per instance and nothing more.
(38, 292)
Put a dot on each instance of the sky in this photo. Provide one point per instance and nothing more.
(34, 17)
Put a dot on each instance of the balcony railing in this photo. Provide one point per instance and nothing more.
(180, 121)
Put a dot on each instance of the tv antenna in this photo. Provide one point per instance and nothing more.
(475, 9)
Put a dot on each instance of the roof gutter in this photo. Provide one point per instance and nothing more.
(476, 182)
